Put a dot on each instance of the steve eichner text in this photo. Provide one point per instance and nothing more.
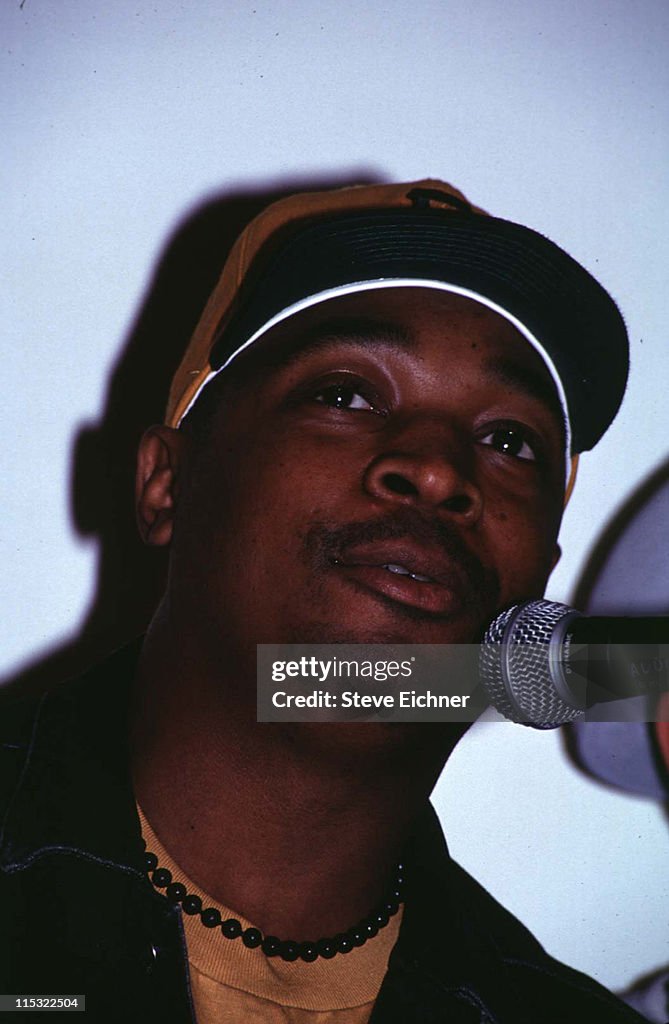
(354, 699)
(313, 668)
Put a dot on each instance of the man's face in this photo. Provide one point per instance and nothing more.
(389, 467)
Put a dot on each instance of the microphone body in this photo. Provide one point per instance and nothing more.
(544, 664)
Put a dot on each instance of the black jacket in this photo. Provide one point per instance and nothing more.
(79, 916)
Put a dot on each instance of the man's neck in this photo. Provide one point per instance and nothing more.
(296, 828)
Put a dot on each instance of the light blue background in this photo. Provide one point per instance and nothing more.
(119, 118)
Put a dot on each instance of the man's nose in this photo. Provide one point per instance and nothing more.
(428, 469)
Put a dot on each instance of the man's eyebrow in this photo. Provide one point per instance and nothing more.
(361, 333)
(527, 379)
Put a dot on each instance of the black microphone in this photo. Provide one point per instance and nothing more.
(544, 664)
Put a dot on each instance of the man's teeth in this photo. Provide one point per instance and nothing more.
(401, 571)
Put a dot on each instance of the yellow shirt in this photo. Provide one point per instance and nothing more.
(232, 984)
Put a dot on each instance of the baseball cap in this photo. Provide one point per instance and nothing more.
(311, 247)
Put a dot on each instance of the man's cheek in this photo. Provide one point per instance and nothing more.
(522, 551)
(530, 566)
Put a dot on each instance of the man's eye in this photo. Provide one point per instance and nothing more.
(510, 441)
(343, 396)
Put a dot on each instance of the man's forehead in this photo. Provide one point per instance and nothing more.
(384, 317)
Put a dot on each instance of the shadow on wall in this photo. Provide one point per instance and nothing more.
(130, 576)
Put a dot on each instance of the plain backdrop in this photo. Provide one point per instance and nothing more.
(121, 120)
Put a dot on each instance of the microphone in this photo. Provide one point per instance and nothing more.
(544, 664)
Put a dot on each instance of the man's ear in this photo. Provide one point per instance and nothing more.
(160, 461)
(557, 555)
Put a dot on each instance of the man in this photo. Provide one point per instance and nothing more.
(370, 439)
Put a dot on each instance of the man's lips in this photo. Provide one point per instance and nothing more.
(445, 579)
(408, 573)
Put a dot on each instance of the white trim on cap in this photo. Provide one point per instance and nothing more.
(400, 282)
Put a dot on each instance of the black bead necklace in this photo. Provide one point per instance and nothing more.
(287, 949)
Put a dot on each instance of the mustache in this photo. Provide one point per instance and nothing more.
(325, 544)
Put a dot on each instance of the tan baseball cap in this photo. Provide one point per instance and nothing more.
(314, 246)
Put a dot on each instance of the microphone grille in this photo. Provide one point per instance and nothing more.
(515, 664)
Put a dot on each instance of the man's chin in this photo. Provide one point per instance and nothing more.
(460, 631)
(373, 738)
